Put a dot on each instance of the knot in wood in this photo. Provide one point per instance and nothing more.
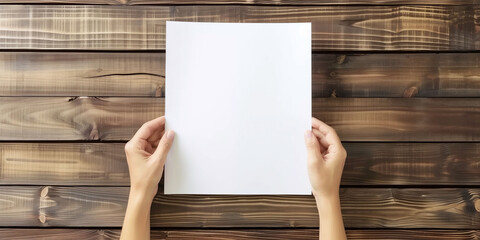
(410, 92)
(44, 192)
(42, 218)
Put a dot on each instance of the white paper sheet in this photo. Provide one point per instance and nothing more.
(238, 96)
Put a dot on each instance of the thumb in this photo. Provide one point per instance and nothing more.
(313, 148)
(163, 147)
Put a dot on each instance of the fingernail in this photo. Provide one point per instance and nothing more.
(308, 134)
(170, 134)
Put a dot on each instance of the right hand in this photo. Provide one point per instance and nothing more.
(326, 158)
(146, 155)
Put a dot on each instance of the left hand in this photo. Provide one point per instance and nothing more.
(326, 159)
(146, 154)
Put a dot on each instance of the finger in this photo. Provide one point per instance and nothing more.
(321, 140)
(149, 128)
(325, 145)
(315, 160)
(160, 154)
(313, 147)
(155, 138)
(330, 136)
(315, 122)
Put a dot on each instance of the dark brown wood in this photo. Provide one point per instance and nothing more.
(142, 74)
(353, 28)
(412, 234)
(355, 119)
(84, 27)
(80, 118)
(396, 75)
(397, 119)
(249, 2)
(51, 206)
(244, 234)
(362, 208)
(63, 164)
(81, 74)
(358, 28)
(303, 2)
(418, 164)
(368, 164)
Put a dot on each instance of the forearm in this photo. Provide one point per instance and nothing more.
(136, 224)
(331, 222)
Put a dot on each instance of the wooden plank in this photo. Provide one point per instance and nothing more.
(63, 164)
(448, 208)
(355, 119)
(84, 27)
(142, 74)
(368, 164)
(244, 234)
(356, 28)
(248, 2)
(396, 75)
(396, 119)
(359, 28)
(302, 2)
(81, 118)
(81, 74)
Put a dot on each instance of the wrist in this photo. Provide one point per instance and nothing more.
(327, 204)
(140, 195)
(327, 196)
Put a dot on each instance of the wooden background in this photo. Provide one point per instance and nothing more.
(398, 79)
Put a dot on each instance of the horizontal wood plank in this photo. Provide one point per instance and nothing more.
(396, 75)
(374, 164)
(81, 74)
(244, 234)
(63, 164)
(143, 74)
(84, 27)
(362, 208)
(359, 28)
(88, 27)
(249, 2)
(355, 119)
(397, 119)
(368, 164)
(80, 118)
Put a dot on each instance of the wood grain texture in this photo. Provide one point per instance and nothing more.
(359, 28)
(81, 118)
(142, 74)
(396, 75)
(63, 164)
(48, 206)
(397, 119)
(249, 2)
(355, 119)
(301, 2)
(362, 208)
(81, 74)
(368, 164)
(83, 27)
(353, 28)
(244, 234)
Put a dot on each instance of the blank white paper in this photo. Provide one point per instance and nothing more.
(238, 96)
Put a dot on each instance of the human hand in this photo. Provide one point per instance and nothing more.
(326, 158)
(146, 154)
